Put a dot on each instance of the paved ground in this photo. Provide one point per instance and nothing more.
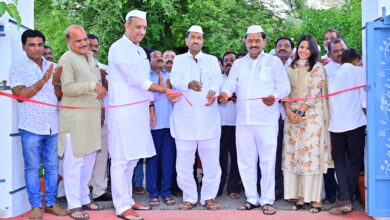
(224, 201)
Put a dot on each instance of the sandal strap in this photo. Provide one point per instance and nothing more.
(129, 212)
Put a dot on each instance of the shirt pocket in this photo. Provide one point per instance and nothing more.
(265, 74)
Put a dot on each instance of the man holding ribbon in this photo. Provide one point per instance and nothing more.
(197, 126)
(129, 126)
(257, 75)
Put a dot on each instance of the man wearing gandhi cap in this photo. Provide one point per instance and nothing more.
(197, 127)
(257, 75)
(129, 126)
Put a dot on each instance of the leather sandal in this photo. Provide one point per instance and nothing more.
(130, 214)
(186, 206)
(248, 206)
(154, 202)
(267, 211)
(210, 204)
(234, 195)
(89, 208)
(36, 213)
(169, 201)
(83, 216)
(139, 206)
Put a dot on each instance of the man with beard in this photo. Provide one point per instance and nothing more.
(228, 138)
(197, 126)
(161, 164)
(284, 47)
(257, 75)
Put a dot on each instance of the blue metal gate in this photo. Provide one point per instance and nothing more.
(378, 149)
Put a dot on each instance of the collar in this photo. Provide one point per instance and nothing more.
(163, 72)
(197, 56)
(262, 54)
(45, 63)
(129, 41)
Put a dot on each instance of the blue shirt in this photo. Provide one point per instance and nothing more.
(162, 105)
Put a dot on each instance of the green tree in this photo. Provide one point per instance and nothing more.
(224, 21)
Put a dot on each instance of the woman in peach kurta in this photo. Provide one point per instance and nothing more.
(306, 144)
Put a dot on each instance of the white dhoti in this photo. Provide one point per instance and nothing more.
(254, 143)
(209, 155)
(77, 173)
(99, 174)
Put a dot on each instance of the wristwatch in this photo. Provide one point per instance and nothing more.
(300, 112)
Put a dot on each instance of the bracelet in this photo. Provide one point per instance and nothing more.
(57, 84)
(32, 87)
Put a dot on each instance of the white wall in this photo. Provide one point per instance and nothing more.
(10, 44)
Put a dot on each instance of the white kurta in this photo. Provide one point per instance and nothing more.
(261, 77)
(257, 123)
(196, 122)
(128, 127)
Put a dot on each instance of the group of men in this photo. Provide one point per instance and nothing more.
(194, 109)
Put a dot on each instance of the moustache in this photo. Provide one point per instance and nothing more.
(82, 47)
(170, 61)
(160, 60)
(282, 51)
(228, 65)
(254, 47)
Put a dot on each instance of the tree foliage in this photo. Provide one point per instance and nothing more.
(11, 9)
(224, 22)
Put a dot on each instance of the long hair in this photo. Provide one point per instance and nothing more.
(313, 48)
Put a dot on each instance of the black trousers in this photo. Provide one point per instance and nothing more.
(330, 183)
(279, 189)
(348, 153)
(228, 147)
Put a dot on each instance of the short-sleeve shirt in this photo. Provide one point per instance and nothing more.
(35, 118)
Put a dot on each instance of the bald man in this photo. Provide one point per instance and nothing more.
(79, 136)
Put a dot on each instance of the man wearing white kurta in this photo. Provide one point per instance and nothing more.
(257, 75)
(128, 126)
(198, 127)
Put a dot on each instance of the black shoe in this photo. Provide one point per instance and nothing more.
(104, 197)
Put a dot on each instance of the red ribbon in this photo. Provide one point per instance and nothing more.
(73, 107)
(151, 99)
(302, 99)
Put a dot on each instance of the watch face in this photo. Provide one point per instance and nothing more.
(300, 112)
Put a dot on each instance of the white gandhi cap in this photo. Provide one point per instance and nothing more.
(196, 28)
(136, 13)
(254, 29)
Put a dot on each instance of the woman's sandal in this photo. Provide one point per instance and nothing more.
(314, 209)
(297, 206)
(130, 213)
(169, 201)
(154, 202)
(267, 211)
(248, 206)
(83, 216)
(89, 208)
(186, 206)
